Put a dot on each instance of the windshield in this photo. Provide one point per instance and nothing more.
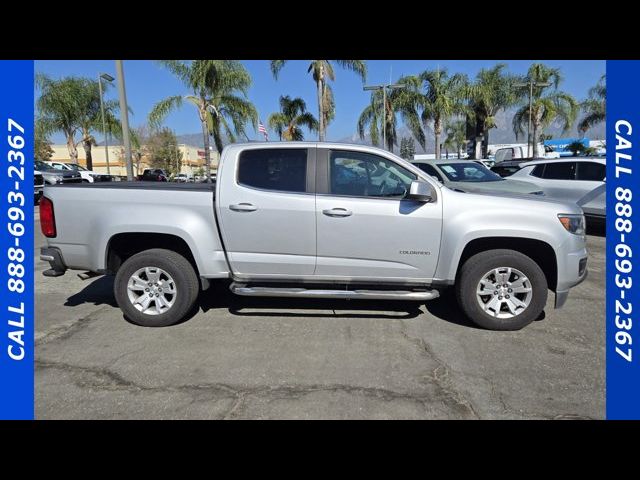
(75, 166)
(42, 166)
(468, 172)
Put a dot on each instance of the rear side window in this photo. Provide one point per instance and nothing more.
(560, 171)
(277, 169)
(592, 171)
(504, 154)
(538, 171)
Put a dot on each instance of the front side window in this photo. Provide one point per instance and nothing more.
(591, 171)
(359, 174)
(277, 169)
(560, 171)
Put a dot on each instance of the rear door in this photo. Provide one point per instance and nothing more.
(266, 206)
(559, 180)
(366, 229)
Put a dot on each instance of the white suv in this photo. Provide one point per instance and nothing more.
(87, 175)
(579, 180)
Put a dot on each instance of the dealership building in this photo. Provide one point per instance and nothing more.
(192, 159)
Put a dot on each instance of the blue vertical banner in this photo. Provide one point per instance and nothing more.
(16, 240)
(623, 248)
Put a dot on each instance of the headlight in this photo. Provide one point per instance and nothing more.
(573, 223)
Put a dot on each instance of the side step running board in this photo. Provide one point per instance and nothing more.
(243, 290)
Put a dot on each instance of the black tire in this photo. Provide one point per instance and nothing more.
(183, 274)
(478, 265)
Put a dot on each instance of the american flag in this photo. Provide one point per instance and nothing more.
(263, 130)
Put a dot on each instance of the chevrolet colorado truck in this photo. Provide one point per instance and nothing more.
(317, 220)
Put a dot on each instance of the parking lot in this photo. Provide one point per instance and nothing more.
(241, 358)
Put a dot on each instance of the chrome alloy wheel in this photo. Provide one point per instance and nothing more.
(504, 292)
(151, 290)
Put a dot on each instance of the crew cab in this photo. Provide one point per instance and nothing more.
(317, 220)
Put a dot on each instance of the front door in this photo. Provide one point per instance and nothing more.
(267, 212)
(366, 230)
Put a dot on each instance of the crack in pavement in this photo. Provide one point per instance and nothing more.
(105, 379)
(440, 377)
(65, 331)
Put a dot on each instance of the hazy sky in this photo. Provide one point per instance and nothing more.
(147, 83)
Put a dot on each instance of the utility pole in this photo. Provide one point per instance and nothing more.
(108, 78)
(124, 114)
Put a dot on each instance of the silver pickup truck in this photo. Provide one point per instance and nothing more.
(318, 220)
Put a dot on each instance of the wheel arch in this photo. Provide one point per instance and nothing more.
(122, 246)
(538, 250)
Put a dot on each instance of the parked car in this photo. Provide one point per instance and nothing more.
(470, 176)
(508, 168)
(154, 175)
(203, 178)
(88, 176)
(281, 221)
(183, 178)
(38, 186)
(579, 180)
(52, 176)
(487, 162)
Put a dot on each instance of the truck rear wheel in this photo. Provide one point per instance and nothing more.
(156, 288)
(501, 289)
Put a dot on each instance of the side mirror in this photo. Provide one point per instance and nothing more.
(420, 192)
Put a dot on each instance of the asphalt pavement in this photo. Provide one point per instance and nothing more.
(260, 358)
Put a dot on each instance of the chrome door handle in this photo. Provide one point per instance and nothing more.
(337, 212)
(243, 207)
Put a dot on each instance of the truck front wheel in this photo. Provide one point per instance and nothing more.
(501, 289)
(156, 288)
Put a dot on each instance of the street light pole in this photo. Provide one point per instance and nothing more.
(108, 78)
(530, 141)
(384, 105)
(124, 113)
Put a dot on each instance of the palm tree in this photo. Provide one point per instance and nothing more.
(292, 115)
(456, 132)
(491, 92)
(322, 71)
(398, 102)
(219, 93)
(595, 106)
(72, 105)
(440, 97)
(548, 104)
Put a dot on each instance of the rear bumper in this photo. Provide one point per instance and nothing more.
(56, 261)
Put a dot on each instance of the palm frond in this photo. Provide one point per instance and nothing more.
(276, 66)
(161, 109)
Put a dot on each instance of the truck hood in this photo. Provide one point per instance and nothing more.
(502, 186)
(518, 201)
